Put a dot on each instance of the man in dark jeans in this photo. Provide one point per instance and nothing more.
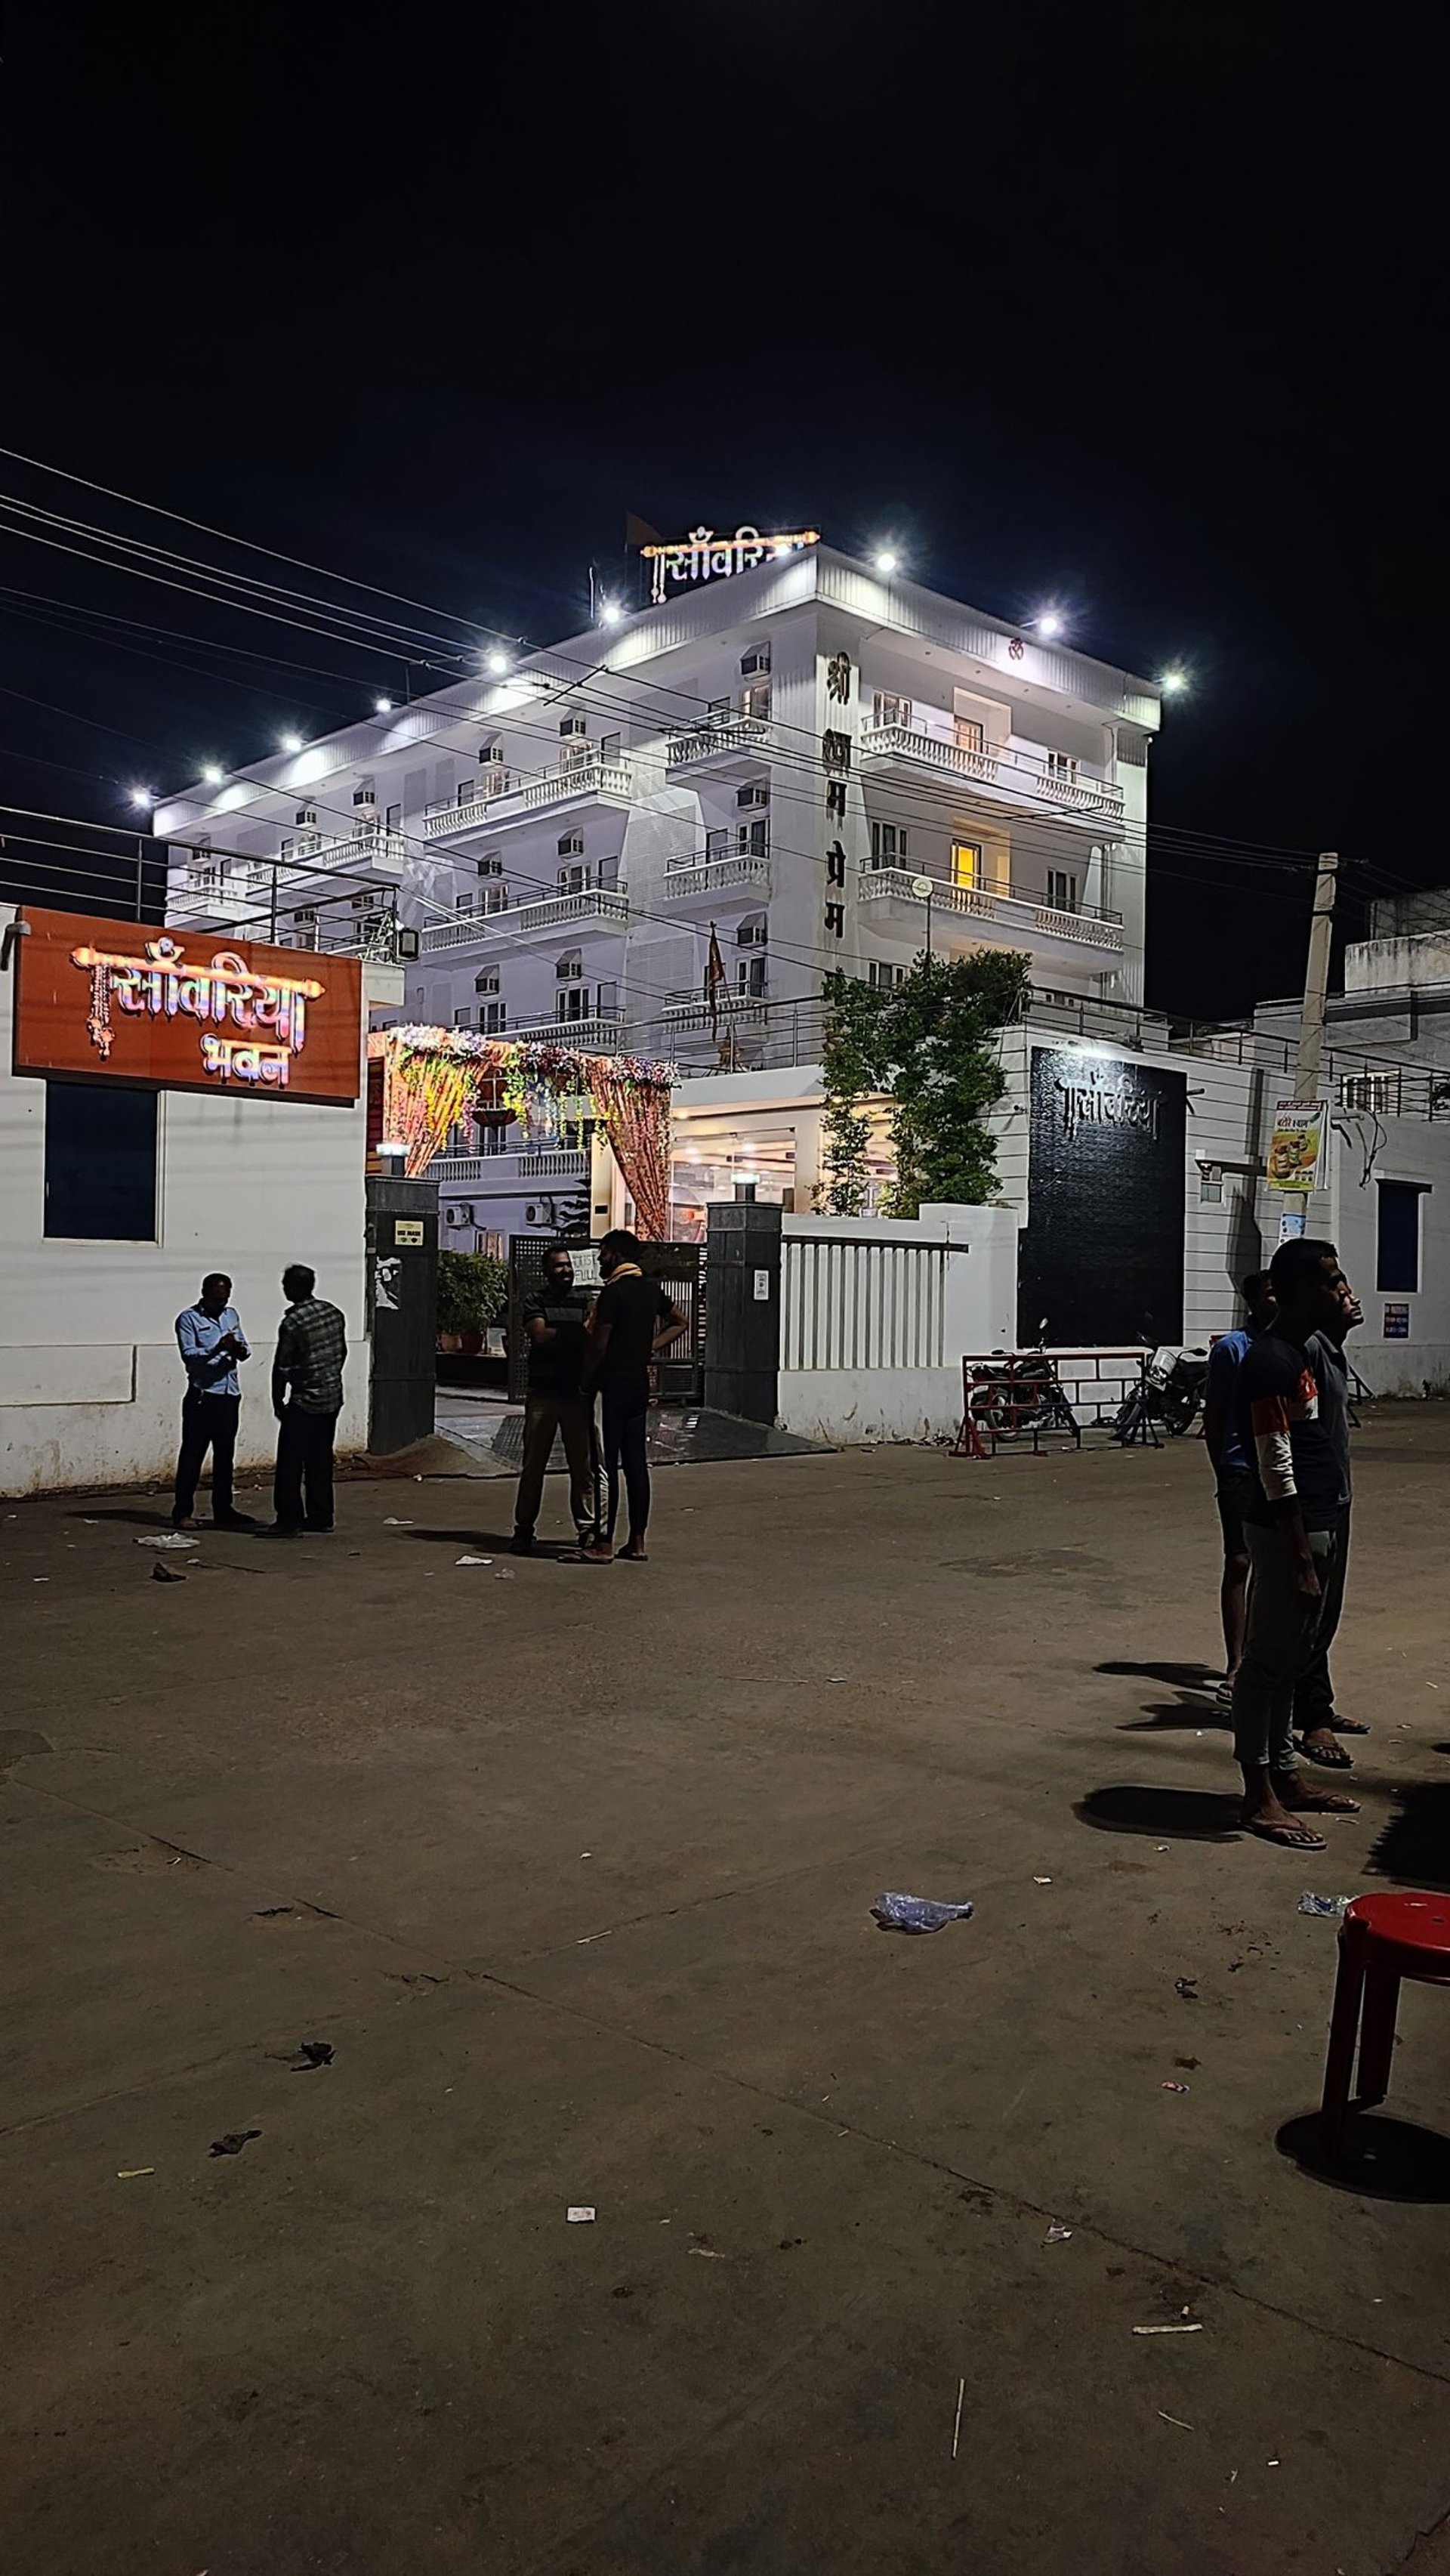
(1293, 1520)
(210, 1339)
(1317, 1721)
(307, 1399)
(1231, 1468)
(554, 1320)
(632, 1322)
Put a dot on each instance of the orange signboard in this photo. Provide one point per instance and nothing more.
(186, 1010)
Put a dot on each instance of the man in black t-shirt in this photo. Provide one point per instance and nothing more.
(632, 1321)
(554, 1320)
(1293, 1506)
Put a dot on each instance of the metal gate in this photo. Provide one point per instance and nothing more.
(679, 1376)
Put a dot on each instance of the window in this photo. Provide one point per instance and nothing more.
(888, 709)
(206, 871)
(756, 793)
(463, 1019)
(467, 791)
(888, 845)
(465, 903)
(570, 845)
(755, 701)
(611, 746)
(493, 1140)
(1397, 1255)
(574, 879)
(752, 932)
(1060, 764)
(750, 976)
(487, 982)
(492, 1018)
(495, 899)
(717, 844)
(969, 733)
(753, 840)
(1061, 890)
(393, 818)
(966, 864)
(492, 866)
(569, 967)
(883, 978)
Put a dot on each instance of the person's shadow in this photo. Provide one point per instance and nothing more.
(1180, 1815)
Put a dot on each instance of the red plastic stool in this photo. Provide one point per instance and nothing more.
(1381, 1940)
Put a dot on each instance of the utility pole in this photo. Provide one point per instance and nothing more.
(1310, 1052)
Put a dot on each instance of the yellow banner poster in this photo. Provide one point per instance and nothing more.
(1297, 1144)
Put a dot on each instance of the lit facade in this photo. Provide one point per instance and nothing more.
(784, 757)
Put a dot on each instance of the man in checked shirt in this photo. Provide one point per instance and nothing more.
(307, 1399)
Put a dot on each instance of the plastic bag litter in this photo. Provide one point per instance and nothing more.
(897, 1913)
(1330, 1905)
(473, 1560)
(168, 1538)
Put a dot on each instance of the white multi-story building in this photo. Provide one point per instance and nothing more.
(805, 760)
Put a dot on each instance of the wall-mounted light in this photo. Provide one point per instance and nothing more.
(382, 706)
(1173, 683)
(289, 742)
(887, 561)
(1049, 622)
(143, 797)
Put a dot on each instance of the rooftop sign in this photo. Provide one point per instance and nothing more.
(704, 556)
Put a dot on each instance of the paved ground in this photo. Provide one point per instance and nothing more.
(572, 1873)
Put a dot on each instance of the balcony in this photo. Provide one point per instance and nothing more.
(1014, 780)
(507, 798)
(745, 872)
(1020, 922)
(505, 1171)
(587, 1037)
(735, 739)
(596, 908)
(689, 1012)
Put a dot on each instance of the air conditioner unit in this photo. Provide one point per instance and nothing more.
(540, 1212)
(459, 1216)
(756, 794)
(569, 969)
(365, 801)
(492, 751)
(572, 725)
(753, 664)
(752, 934)
(307, 816)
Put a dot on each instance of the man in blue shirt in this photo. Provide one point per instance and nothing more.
(1231, 1466)
(210, 1339)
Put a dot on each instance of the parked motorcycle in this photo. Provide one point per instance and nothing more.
(1170, 1392)
(1021, 1394)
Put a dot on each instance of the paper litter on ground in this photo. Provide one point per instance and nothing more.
(473, 1560)
(168, 1538)
(579, 2216)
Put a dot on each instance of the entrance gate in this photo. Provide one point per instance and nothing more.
(679, 1376)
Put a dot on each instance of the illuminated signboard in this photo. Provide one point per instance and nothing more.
(183, 1011)
(704, 556)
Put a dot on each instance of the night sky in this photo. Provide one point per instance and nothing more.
(1096, 309)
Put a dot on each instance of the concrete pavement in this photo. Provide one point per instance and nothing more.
(572, 1869)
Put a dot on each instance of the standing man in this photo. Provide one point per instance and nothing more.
(633, 1320)
(1292, 1520)
(1315, 1717)
(210, 1339)
(554, 1320)
(1231, 1468)
(307, 1399)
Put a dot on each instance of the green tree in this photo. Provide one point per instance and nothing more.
(929, 1046)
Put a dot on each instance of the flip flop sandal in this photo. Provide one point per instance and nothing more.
(1224, 1695)
(1292, 1837)
(1328, 1758)
(1347, 1725)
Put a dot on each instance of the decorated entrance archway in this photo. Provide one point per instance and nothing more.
(432, 1078)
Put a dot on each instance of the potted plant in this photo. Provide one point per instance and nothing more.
(472, 1293)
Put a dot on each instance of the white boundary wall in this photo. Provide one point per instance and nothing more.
(876, 1313)
(90, 1378)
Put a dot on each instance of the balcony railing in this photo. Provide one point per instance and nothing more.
(1009, 911)
(511, 797)
(735, 734)
(689, 1011)
(590, 1037)
(462, 813)
(598, 906)
(749, 869)
(458, 1171)
(1015, 775)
